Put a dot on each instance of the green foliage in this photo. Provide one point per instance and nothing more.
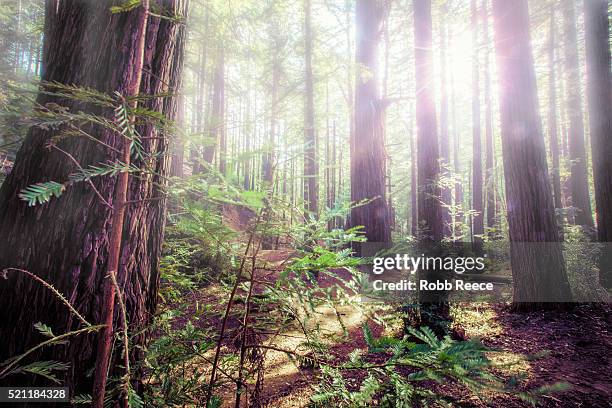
(126, 6)
(44, 369)
(403, 378)
(581, 256)
(41, 193)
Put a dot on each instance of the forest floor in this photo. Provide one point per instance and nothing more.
(548, 347)
(572, 346)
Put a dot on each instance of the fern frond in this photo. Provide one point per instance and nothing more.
(41, 193)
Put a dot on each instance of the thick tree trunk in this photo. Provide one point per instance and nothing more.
(311, 170)
(478, 217)
(66, 241)
(429, 210)
(434, 305)
(600, 118)
(552, 122)
(368, 163)
(538, 269)
(578, 160)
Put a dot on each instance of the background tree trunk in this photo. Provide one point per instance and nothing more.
(311, 171)
(577, 154)
(368, 163)
(538, 270)
(428, 155)
(489, 149)
(444, 133)
(552, 122)
(478, 216)
(600, 117)
(65, 241)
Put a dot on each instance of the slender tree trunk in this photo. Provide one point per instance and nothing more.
(458, 202)
(444, 133)
(579, 176)
(489, 152)
(414, 216)
(599, 92)
(552, 122)
(478, 216)
(311, 173)
(217, 120)
(178, 107)
(368, 164)
(538, 269)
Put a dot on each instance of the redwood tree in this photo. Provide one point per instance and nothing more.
(444, 128)
(552, 120)
(538, 269)
(311, 171)
(66, 241)
(368, 164)
(428, 156)
(489, 151)
(578, 164)
(600, 118)
(477, 206)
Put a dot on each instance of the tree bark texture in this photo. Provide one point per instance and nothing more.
(579, 181)
(538, 269)
(600, 118)
(368, 159)
(66, 241)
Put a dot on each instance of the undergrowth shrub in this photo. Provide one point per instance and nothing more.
(400, 372)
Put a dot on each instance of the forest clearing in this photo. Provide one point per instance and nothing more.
(305, 203)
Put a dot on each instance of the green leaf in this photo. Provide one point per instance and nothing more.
(127, 5)
(44, 330)
(41, 193)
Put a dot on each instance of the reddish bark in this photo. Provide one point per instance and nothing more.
(599, 92)
(477, 205)
(579, 182)
(552, 121)
(368, 164)
(66, 241)
(538, 270)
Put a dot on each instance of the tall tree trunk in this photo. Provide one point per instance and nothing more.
(489, 151)
(434, 307)
(414, 216)
(427, 136)
(478, 216)
(311, 171)
(578, 161)
(600, 118)
(268, 156)
(444, 133)
(178, 107)
(217, 120)
(66, 241)
(552, 122)
(368, 164)
(458, 202)
(538, 269)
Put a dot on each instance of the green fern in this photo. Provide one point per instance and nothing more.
(41, 193)
(44, 369)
